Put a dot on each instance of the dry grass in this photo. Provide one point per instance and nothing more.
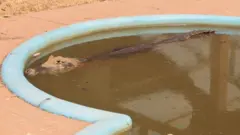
(16, 7)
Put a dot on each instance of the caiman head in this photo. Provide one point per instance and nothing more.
(55, 65)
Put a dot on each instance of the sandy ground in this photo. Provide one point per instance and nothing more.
(16, 7)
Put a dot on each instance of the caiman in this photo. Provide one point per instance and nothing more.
(58, 64)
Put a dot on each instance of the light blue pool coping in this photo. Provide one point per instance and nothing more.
(104, 122)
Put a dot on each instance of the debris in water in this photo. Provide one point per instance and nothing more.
(36, 54)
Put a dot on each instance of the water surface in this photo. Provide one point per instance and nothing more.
(187, 88)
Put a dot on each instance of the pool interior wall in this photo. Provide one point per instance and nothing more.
(104, 122)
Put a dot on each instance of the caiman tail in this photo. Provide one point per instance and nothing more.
(147, 47)
(185, 36)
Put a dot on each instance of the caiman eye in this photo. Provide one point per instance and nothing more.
(58, 61)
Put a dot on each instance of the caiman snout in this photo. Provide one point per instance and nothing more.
(31, 72)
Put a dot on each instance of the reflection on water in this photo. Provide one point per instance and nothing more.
(180, 88)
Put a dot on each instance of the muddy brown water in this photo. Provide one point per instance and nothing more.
(187, 88)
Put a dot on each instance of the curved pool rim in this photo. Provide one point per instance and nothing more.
(104, 122)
